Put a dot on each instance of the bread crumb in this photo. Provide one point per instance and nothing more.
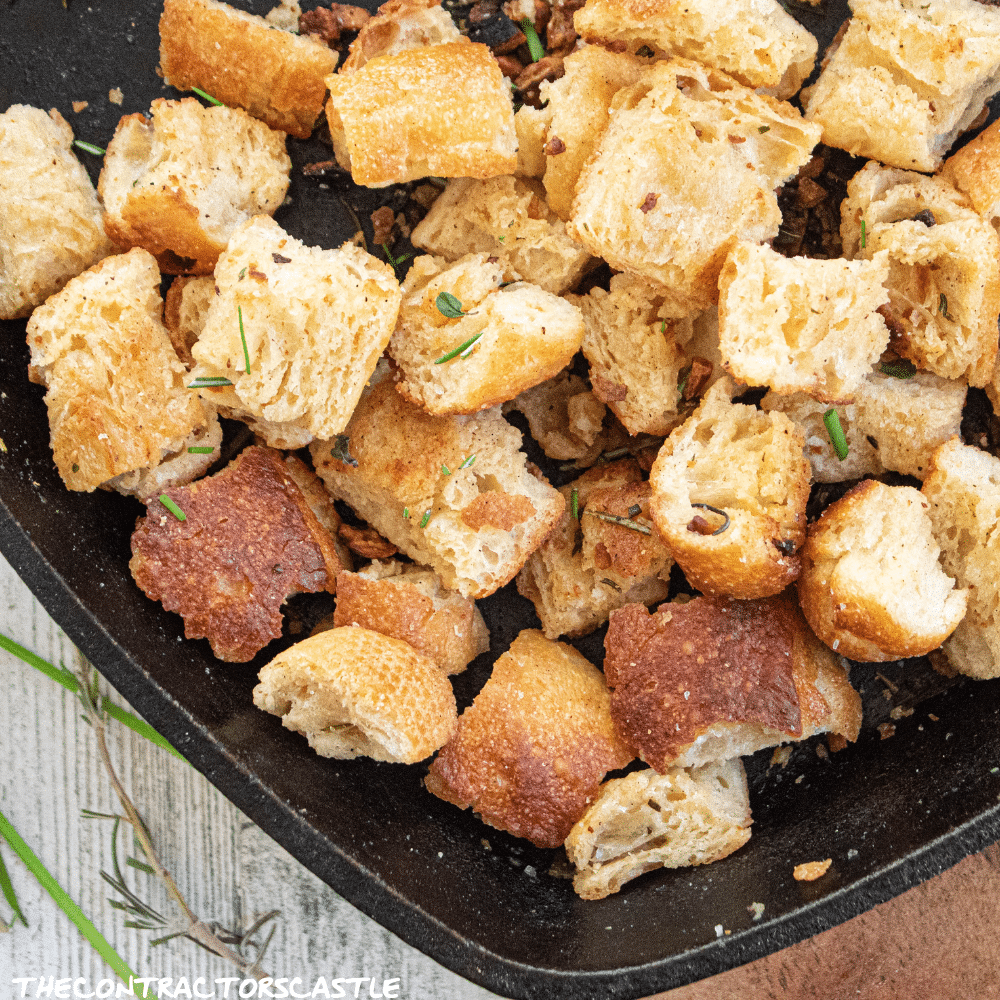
(718, 930)
(836, 742)
(78, 106)
(811, 870)
(900, 713)
(886, 729)
(757, 909)
(781, 756)
(115, 96)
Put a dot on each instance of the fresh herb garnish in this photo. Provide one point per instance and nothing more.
(899, 369)
(395, 261)
(764, 128)
(172, 507)
(535, 47)
(242, 275)
(622, 522)
(425, 518)
(449, 306)
(445, 471)
(208, 381)
(943, 307)
(682, 385)
(89, 147)
(837, 438)
(715, 510)
(201, 449)
(468, 462)
(461, 349)
(243, 337)
(341, 451)
(574, 504)
(406, 512)
(207, 97)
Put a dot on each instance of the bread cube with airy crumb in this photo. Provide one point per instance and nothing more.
(907, 78)
(474, 524)
(686, 169)
(242, 61)
(410, 602)
(871, 587)
(507, 218)
(944, 268)
(894, 423)
(400, 25)
(730, 487)
(975, 171)
(115, 389)
(963, 489)
(297, 330)
(516, 334)
(356, 693)
(647, 820)
(530, 752)
(714, 679)
(180, 183)
(588, 566)
(185, 307)
(50, 216)
(755, 41)
(531, 125)
(801, 325)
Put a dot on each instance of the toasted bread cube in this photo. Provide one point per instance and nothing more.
(522, 335)
(476, 525)
(893, 423)
(975, 171)
(356, 693)
(589, 566)
(686, 169)
(50, 217)
(250, 538)
(531, 751)
(400, 25)
(801, 325)
(944, 277)
(406, 116)
(715, 679)
(755, 41)
(116, 391)
(181, 183)
(506, 218)
(184, 310)
(871, 586)
(748, 464)
(531, 126)
(907, 79)
(410, 603)
(646, 820)
(242, 61)
(312, 323)
(964, 493)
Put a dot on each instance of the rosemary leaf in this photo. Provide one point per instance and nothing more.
(207, 97)
(425, 518)
(88, 147)
(468, 462)
(202, 449)
(837, 437)
(899, 369)
(574, 504)
(943, 307)
(243, 337)
(535, 46)
(140, 866)
(622, 522)
(461, 349)
(209, 381)
(9, 894)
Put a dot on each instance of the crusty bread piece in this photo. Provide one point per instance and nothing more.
(249, 540)
(410, 603)
(184, 310)
(406, 116)
(801, 325)
(715, 679)
(749, 464)
(401, 25)
(313, 323)
(964, 493)
(476, 525)
(907, 78)
(755, 41)
(507, 218)
(686, 169)
(242, 61)
(50, 217)
(531, 125)
(524, 335)
(871, 586)
(356, 693)
(116, 391)
(646, 820)
(588, 566)
(975, 171)
(893, 423)
(181, 182)
(944, 279)
(531, 751)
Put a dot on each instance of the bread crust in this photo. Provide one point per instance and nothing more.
(975, 171)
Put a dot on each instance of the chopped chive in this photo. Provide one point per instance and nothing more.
(535, 46)
(8, 893)
(172, 507)
(209, 381)
(622, 522)
(243, 337)
(764, 128)
(461, 349)
(449, 306)
(406, 512)
(201, 449)
(425, 518)
(663, 326)
(943, 306)
(899, 369)
(207, 97)
(832, 421)
(445, 471)
(574, 504)
(89, 147)
(715, 510)
(468, 462)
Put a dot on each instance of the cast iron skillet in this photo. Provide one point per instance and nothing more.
(890, 813)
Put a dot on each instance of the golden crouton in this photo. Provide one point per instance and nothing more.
(401, 25)
(715, 679)
(975, 171)
(530, 752)
(356, 693)
(184, 310)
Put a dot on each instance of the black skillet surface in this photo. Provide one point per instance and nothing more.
(890, 813)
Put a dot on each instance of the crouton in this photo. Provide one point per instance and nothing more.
(116, 391)
(296, 329)
(531, 751)
(646, 820)
(474, 525)
(516, 334)
(242, 61)
(531, 125)
(410, 603)
(963, 489)
(506, 218)
(907, 79)
(50, 217)
(975, 171)
(755, 41)
(248, 540)
(732, 461)
(715, 679)
(356, 693)
(871, 587)
(184, 310)
(400, 25)
(180, 184)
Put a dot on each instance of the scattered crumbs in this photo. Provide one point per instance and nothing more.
(78, 106)
(800, 779)
(719, 930)
(821, 751)
(485, 843)
(115, 96)
(920, 729)
(781, 756)
(836, 742)
(852, 853)
(888, 683)
(886, 729)
(757, 909)
(900, 713)
(529, 870)
(933, 717)
(809, 871)
(887, 694)
(947, 736)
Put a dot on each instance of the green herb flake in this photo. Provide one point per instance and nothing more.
(943, 307)
(445, 471)
(899, 369)
(574, 504)
(76, 468)
(172, 507)
(502, 238)
(341, 451)
(831, 420)
(462, 349)
(243, 338)
(622, 522)
(89, 147)
(406, 512)
(425, 518)
(449, 306)
(201, 449)
(242, 275)
(395, 261)
(209, 382)
(663, 326)
(207, 97)
(468, 462)
(535, 47)
(764, 128)
(682, 385)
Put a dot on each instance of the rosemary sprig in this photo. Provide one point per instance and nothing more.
(837, 437)
(535, 47)
(574, 504)
(207, 97)
(243, 338)
(89, 147)
(943, 307)
(460, 350)
(899, 369)
(623, 522)
(209, 381)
